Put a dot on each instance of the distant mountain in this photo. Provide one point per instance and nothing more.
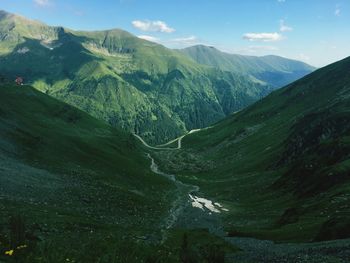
(282, 165)
(130, 83)
(273, 70)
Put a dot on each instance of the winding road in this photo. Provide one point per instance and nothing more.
(161, 147)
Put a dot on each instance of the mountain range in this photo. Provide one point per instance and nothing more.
(279, 168)
(252, 172)
(135, 84)
(275, 71)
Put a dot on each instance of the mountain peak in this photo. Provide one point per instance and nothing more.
(2, 12)
(17, 19)
(5, 15)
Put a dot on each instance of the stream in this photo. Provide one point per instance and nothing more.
(188, 210)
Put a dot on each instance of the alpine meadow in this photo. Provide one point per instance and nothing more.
(200, 132)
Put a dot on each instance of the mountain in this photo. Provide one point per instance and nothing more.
(281, 165)
(71, 182)
(273, 70)
(128, 82)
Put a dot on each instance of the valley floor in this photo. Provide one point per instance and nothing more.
(188, 213)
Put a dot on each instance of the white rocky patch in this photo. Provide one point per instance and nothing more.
(218, 204)
(23, 50)
(199, 202)
(197, 205)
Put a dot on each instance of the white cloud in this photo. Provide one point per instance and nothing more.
(284, 27)
(42, 2)
(149, 38)
(152, 26)
(264, 37)
(337, 11)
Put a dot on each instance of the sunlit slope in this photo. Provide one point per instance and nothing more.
(128, 82)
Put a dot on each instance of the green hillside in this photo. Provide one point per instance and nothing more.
(126, 81)
(70, 183)
(281, 166)
(273, 70)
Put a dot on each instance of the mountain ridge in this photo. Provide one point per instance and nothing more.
(140, 86)
(261, 67)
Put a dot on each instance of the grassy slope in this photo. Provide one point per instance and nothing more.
(84, 189)
(282, 165)
(126, 81)
(70, 175)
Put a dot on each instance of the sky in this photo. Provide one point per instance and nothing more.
(314, 31)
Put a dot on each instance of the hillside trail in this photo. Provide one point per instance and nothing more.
(190, 210)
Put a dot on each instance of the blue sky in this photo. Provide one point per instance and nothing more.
(315, 31)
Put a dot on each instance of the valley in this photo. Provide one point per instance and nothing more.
(157, 145)
(236, 163)
(192, 212)
(192, 200)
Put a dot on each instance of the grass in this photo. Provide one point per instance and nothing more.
(70, 175)
(78, 190)
(280, 166)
